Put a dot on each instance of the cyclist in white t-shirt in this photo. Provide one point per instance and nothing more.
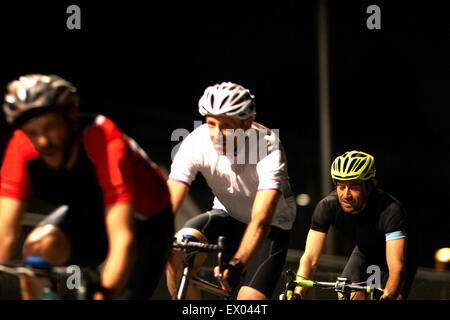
(245, 166)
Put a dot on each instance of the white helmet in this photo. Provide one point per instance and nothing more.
(227, 99)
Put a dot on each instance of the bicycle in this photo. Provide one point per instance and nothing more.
(340, 286)
(39, 268)
(191, 247)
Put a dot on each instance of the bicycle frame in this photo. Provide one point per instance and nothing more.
(200, 283)
(188, 279)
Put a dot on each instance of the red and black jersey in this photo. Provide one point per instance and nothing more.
(111, 168)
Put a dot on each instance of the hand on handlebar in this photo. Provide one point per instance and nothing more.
(295, 296)
(229, 277)
(385, 296)
(223, 276)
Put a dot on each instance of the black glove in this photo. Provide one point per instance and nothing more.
(236, 268)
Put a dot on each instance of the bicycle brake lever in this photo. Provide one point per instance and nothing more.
(290, 274)
(290, 282)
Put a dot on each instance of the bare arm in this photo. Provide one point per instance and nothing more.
(257, 230)
(395, 257)
(11, 216)
(178, 191)
(310, 258)
(120, 228)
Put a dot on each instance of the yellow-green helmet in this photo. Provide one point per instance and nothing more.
(353, 165)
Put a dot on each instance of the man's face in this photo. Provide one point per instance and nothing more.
(221, 126)
(351, 195)
(51, 136)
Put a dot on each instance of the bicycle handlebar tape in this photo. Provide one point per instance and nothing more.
(189, 237)
(305, 283)
(37, 263)
(374, 290)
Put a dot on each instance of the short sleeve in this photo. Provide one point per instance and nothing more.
(395, 222)
(14, 179)
(184, 166)
(272, 171)
(113, 164)
(322, 217)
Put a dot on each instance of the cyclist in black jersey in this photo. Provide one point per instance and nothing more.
(373, 219)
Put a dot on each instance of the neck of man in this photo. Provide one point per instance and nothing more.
(361, 209)
(73, 154)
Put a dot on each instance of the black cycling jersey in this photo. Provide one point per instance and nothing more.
(384, 218)
(76, 187)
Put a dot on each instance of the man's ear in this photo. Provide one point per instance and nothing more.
(368, 186)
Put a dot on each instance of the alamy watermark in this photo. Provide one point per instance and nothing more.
(74, 279)
(374, 280)
(239, 146)
(74, 20)
(374, 20)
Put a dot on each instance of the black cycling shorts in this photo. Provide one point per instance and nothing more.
(89, 245)
(356, 270)
(266, 267)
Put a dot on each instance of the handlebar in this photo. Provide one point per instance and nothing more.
(39, 268)
(340, 285)
(33, 267)
(190, 246)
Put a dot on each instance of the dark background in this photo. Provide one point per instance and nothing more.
(146, 66)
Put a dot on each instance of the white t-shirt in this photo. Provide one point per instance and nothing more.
(234, 180)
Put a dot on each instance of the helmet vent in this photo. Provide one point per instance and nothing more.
(361, 163)
(212, 100)
(223, 102)
(352, 164)
(345, 162)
